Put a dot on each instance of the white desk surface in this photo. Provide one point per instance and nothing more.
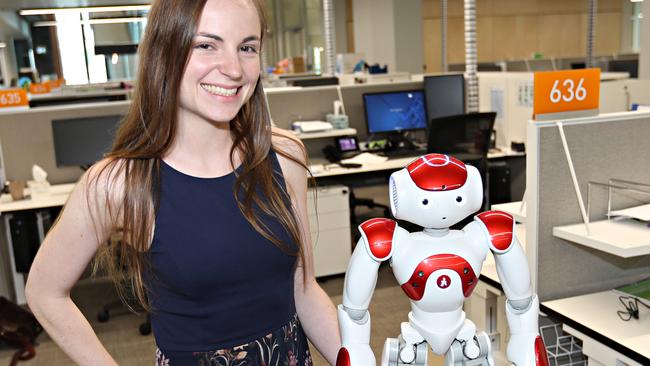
(57, 196)
(514, 208)
(596, 313)
(320, 171)
(624, 238)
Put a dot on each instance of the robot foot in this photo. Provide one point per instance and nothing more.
(476, 352)
(398, 353)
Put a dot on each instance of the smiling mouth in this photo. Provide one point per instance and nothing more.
(217, 90)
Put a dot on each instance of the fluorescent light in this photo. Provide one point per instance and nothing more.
(93, 9)
(636, 1)
(3, 45)
(50, 23)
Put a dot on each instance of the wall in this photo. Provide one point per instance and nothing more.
(644, 58)
(376, 42)
(515, 29)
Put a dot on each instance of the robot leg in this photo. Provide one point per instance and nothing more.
(458, 352)
(409, 349)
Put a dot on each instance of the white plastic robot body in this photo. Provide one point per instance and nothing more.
(437, 268)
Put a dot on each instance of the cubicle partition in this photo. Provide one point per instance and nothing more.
(26, 137)
(603, 147)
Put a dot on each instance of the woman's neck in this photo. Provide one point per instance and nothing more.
(202, 147)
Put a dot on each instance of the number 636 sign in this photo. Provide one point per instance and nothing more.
(566, 91)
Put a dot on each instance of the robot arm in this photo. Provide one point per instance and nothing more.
(374, 247)
(525, 346)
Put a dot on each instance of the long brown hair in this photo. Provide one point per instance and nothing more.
(147, 132)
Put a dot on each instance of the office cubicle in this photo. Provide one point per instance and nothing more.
(27, 138)
(602, 147)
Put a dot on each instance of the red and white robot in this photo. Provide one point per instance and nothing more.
(437, 269)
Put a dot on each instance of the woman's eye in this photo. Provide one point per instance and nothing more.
(249, 49)
(203, 46)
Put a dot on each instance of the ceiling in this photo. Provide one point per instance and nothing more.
(40, 4)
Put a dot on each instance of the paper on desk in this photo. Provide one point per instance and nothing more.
(365, 158)
(638, 212)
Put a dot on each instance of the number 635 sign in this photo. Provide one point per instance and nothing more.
(566, 91)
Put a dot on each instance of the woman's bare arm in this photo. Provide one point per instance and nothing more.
(315, 309)
(65, 253)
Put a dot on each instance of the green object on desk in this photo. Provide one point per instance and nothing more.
(639, 289)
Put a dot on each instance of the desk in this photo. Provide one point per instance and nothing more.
(606, 339)
(56, 197)
(391, 164)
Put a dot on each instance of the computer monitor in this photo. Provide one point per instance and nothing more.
(445, 95)
(83, 141)
(461, 134)
(395, 111)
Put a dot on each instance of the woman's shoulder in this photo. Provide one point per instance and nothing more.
(287, 142)
(291, 155)
(106, 177)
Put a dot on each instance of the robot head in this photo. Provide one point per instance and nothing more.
(435, 191)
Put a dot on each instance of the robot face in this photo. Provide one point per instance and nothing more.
(435, 191)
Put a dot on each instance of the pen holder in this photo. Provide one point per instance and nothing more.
(17, 189)
(338, 121)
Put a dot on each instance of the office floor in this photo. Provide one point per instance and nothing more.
(121, 337)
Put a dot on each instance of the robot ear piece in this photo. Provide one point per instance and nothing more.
(392, 188)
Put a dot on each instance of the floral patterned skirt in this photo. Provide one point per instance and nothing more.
(286, 346)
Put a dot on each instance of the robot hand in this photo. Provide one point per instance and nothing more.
(527, 350)
(355, 334)
(356, 355)
(525, 347)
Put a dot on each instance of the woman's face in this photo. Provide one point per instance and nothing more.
(224, 62)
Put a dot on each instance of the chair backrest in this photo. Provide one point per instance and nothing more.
(463, 133)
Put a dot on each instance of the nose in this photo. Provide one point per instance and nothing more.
(230, 65)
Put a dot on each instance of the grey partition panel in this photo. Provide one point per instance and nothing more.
(600, 150)
(305, 104)
(27, 138)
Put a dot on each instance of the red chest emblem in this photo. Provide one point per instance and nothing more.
(444, 281)
(414, 287)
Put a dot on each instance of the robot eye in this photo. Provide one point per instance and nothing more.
(425, 201)
(459, 199)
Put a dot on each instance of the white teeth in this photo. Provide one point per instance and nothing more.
(216, 90)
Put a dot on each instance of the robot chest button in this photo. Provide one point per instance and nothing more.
(444, 281)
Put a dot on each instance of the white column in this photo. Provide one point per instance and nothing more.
(389, 32)
(644, 53)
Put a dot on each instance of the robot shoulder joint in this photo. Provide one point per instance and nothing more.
(500, 227)
(378, 237)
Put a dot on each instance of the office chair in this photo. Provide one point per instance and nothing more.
(466, 137)
(104, 314)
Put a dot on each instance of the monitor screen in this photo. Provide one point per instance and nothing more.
(445, 95)
(395, 111)
(83, 141)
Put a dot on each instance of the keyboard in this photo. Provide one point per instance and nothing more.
(402, 152)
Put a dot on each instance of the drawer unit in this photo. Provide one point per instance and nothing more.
(330, 229)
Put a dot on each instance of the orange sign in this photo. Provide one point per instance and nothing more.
(13, 98)
(43, 88)
(566, 91)
(54, 84)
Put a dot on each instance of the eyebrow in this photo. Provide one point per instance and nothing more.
(218, 38)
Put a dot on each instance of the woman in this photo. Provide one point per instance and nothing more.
(209, 203)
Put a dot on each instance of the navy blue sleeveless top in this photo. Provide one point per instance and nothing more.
(217, 283)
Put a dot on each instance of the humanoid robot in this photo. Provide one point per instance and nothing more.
(437, 269)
